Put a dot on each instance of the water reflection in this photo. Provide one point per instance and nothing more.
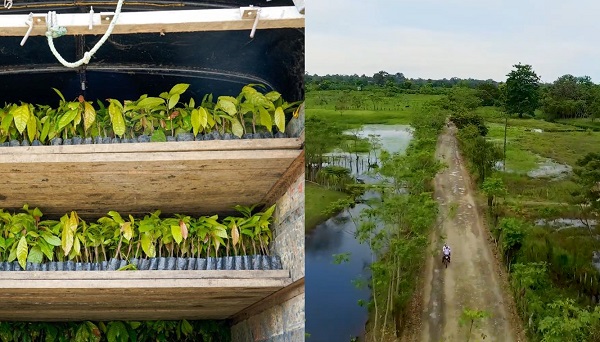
(332, 310)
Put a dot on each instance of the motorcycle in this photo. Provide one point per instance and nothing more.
(446, 260)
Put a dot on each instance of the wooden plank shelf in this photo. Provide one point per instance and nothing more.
(195, 178)
(133, 295)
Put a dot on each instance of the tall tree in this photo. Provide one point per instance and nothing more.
(522, 87)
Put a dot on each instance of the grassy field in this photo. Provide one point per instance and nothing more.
(317, 198)
(562, 141)
(582, 123)
(398, 109)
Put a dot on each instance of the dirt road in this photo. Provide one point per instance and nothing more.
(471, 280)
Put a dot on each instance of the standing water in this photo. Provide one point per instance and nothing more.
(333, 291)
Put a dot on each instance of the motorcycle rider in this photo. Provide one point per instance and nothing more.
(446, 251)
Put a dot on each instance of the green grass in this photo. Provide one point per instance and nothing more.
(582, 123)
(518, 159)
(317, 199)
(523, 144)
(537, 189)
(399, 109)
(357, 118)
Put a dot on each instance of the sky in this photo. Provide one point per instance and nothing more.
(437, 39)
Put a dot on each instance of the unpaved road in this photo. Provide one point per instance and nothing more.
(471, 280)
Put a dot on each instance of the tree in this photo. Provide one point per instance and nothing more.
(343, 102)
(568, 322)
(522, 90)
(489, 94)
(493, 187)
(587, 197)
(470, 317)
(460, 100)
(321, 137)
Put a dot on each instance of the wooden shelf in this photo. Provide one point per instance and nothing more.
(133, 295)
(195, 178)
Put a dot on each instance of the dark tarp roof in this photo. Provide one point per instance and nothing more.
(127, 66)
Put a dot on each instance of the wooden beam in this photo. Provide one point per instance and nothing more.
(163, 22)
(180, 146)
(284, 182)
(190, 178)
(133, 295)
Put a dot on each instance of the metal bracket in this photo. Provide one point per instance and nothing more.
(39, 19)
(33, 20)
(106, 18)
(249, 12)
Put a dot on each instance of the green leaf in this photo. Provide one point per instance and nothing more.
(173, 100)
(186, 327)
(115, 111)
(203, 114)
(45, 130)
(144, 228)
(229, 99)
(21, 117)
(51, 239)
(46, 249)
(67, 239)
(192, 103)
(220, 232)
(148, 246)
(268, 213)
(116, 332)
(22, 252)
(13, 254)
(236, 127)
(179, 89)
(6, 121)
(265, 118)
(127, 230)
(272, 96)
(59, 94)
(94, 332)
(37, 212)
(77, 119)
(176, 231)
(128, 267)
(35, 255)
(280, 119)
(195, 121)
(158, 136)
(32, 127)
(151, 102)
(116, 217)
(66, 118)
(89, 115)
(227, 106)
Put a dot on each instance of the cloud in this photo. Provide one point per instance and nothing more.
(554, 38)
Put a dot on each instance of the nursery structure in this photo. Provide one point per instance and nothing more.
(215, 47)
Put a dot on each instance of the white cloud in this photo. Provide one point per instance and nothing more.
(555, 40)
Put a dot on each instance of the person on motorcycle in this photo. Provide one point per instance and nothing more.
(446, 251)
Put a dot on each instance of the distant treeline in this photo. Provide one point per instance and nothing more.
(385, 79)
(568, 97)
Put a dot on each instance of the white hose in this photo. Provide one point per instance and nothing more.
(54, 31)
